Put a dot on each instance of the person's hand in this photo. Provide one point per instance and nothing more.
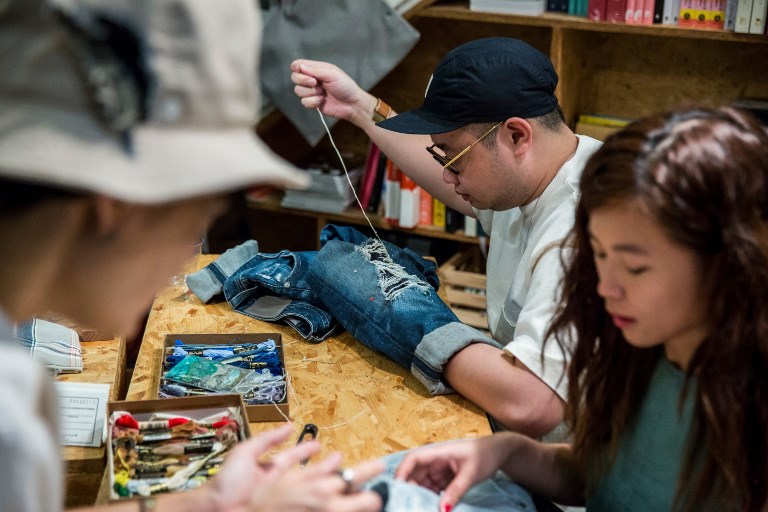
(325, 86)
(319, 488)
(246, 484)
(453, 468)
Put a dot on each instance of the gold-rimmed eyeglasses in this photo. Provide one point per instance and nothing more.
(448, 164)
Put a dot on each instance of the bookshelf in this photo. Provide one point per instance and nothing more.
(354, 217)
(610, 69)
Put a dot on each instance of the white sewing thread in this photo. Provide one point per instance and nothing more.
(343, 166)
(393, 278)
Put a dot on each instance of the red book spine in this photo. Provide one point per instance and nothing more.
(369, 174)
(615, 11)
(392, 194)
(596, 10)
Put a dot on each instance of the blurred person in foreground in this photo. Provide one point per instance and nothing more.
(124, 126)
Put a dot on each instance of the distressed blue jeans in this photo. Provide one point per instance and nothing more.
(386, 300)
(267, 287)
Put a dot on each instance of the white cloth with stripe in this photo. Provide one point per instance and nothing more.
(54, 345)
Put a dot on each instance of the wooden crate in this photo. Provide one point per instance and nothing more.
(463, 276)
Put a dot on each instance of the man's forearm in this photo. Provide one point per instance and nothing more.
(508, 392)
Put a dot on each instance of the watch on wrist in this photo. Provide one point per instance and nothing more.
(382, 111)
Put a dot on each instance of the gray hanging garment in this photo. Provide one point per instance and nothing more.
(365, 38)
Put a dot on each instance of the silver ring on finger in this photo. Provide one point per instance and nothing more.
(348, 476)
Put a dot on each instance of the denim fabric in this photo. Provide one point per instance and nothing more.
(412, 262)
(274, 287)
(267, 287)
(389, 305)
(209, 282)
(498, 493)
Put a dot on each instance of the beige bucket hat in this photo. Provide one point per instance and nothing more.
(147, 101)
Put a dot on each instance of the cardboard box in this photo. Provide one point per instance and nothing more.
(463, 276)
(264, 412)
(197, 407)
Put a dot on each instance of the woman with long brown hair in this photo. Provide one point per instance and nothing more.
(665, 310)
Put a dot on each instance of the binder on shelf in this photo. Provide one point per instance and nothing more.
(716, 14)
(378, 183)
(629, 11)
(470, 225)
(557, 6)
(454, 220)
(578, 8)
(647, 12)
(425, 208)
(729, 21)
(743, 16)
(671, 12)
(687, 16)
(392, 194)
(410, 201)
(757, 19)
(658, 12)
(438, 213)
(369, 174)
(596, 10)
(615, 11)
(702, 14)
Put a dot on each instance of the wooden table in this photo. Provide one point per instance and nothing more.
(364, 404)
(103, 363)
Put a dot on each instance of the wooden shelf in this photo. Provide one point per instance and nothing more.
(355, 217)
(461, 11)
(604, 68)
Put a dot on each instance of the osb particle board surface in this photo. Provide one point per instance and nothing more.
(364, 404)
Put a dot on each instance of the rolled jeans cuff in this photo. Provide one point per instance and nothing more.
(437, 347)
(209, 281)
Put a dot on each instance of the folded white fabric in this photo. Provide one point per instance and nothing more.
(54, 345)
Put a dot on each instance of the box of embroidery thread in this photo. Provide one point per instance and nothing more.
(249, 364)
(160, 446)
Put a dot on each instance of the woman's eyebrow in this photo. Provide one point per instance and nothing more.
(630, 248)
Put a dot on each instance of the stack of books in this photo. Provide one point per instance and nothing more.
(328, 192)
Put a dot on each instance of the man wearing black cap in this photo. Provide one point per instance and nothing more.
(489, 141)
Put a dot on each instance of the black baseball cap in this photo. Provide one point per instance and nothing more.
(483, 81)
